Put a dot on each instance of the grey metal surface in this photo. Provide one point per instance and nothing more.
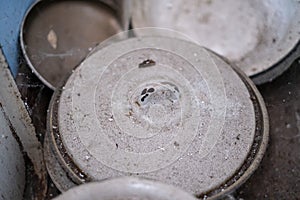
(126, 188)
(12, 166)
(255, 35)
(279, 174)
(23, 131)
(214, 119)
(57, 35)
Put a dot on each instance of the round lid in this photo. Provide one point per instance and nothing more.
(259, 36)
(57, 35)
(125, 189)
(158, 108)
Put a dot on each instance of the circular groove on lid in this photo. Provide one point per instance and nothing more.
(147, 108)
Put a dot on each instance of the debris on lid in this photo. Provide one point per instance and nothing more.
(147, 63)
(52, 39)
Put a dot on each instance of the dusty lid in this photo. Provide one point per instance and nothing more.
(158, 108)
(57, 35)
(255, 35)
(126, 189)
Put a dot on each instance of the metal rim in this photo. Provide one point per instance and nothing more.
(73, 173)
(126, 187)
(270, 71)
(263, 141)
(234, 182)
(55, 170)
(278, 68)
(22, 42)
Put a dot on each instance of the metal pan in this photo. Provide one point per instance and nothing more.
(145, 107)
(57, 35)
(22, 168)
(261, 37)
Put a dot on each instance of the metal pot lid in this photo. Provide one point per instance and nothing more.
(125, 189)
(255, 35)
(158, 108)
(57, 35)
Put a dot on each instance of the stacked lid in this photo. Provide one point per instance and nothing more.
(261, 37)
(157, 108)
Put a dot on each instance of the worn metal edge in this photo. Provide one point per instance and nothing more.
(57, 174)
(278, 68)
(14, 106)
(54, 141)
(111, 4)
(221, 191)
(262, 144)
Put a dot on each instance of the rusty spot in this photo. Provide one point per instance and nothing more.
(147, 63)
(137, 103)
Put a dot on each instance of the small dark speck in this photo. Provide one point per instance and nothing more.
(151, 90)
(176, 144)
(129, 113)
(117, 145)
(144, 91)
(252, 97)
(143, 98)
(274, 40)
(78, 94)
(176, 88)
(147, 63)
(137, 103)
(238, 137)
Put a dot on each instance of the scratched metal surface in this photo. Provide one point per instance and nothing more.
(279, 174)
(20, 128)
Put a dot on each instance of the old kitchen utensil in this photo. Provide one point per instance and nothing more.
(57, 35)
(145, 107)
(261, 37)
